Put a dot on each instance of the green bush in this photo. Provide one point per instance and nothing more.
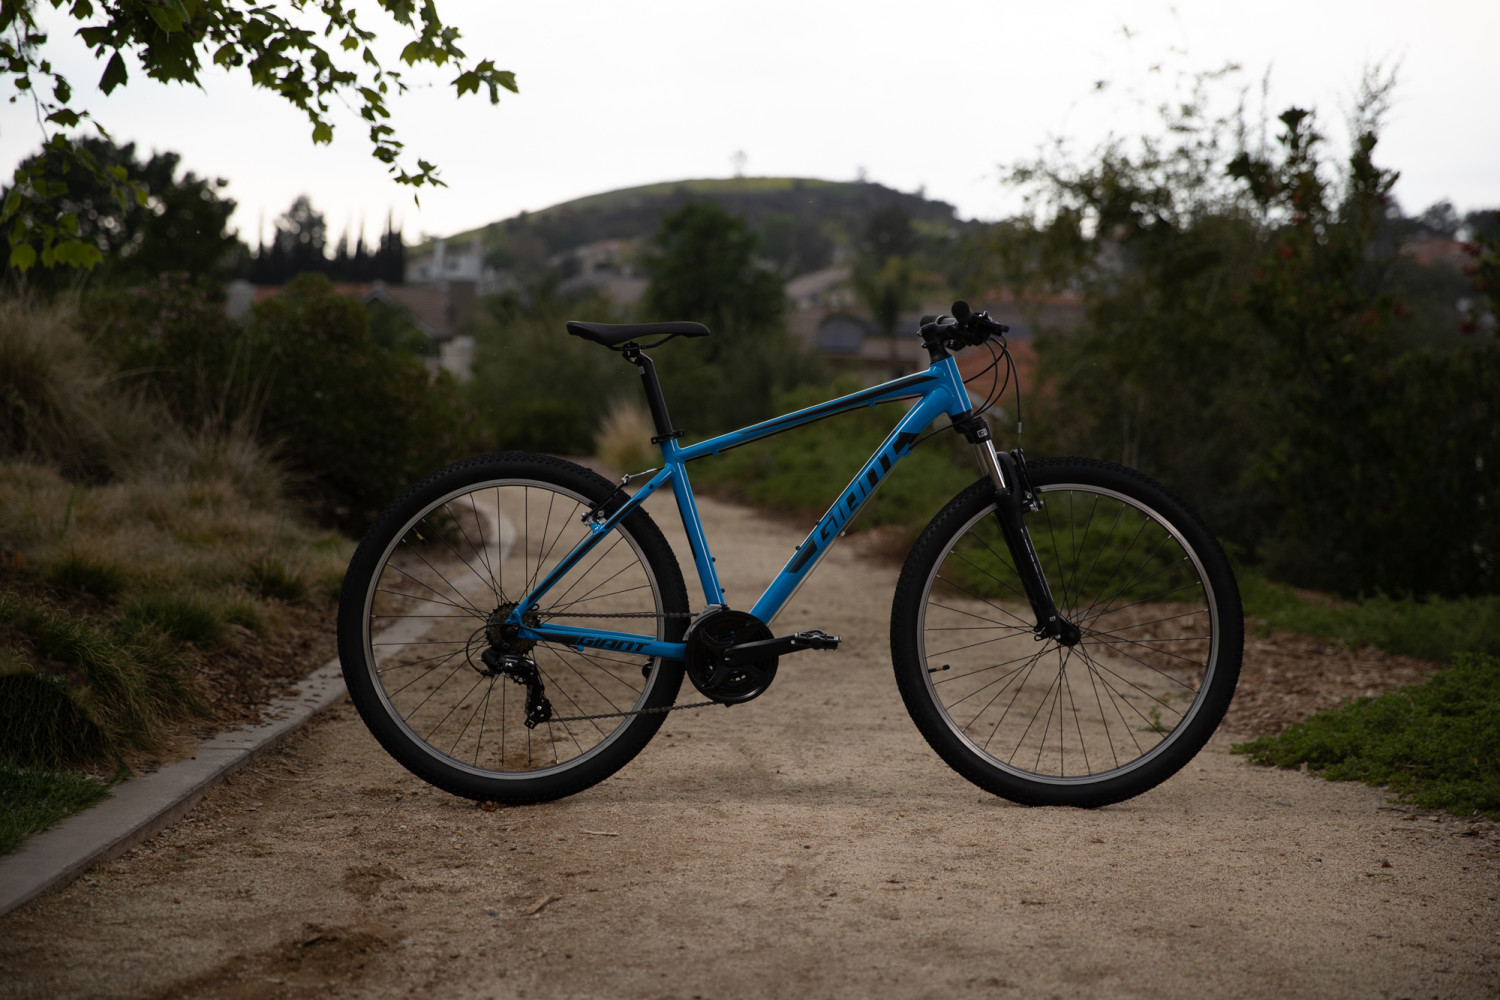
(1436, 744)
(353, 423)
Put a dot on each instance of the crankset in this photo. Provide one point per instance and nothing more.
(732, 656)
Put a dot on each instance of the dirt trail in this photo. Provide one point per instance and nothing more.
(807, 844)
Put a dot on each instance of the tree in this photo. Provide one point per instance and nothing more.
(170, 39)
(704, 266)
(1244, 340)
(300, 246)
(181, 226)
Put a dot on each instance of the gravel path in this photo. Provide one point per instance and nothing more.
(807, 844)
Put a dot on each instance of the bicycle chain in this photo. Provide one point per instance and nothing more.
(639, 711)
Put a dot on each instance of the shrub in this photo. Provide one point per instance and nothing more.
(1436, 743)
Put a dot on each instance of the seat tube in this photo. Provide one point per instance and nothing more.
(687, 508)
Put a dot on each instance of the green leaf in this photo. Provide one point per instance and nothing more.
(322, 133)
(76, 253)
(64, 117)
(22, 256)
(167, 20)
(114, 74)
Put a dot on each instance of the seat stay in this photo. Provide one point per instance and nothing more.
(598, 529)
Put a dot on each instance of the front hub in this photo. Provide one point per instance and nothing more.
(1065, 632)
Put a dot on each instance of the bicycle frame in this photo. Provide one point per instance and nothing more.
(939, 390)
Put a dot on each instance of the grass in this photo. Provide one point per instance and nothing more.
(111, 596)
(36, 799)
(1435, 744)
(1428, 629)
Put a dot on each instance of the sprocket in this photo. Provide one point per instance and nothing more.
(708, 637)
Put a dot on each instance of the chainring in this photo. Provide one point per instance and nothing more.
(708, 638)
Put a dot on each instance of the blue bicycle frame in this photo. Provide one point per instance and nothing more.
(939, 390)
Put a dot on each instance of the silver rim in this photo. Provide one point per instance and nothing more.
(1107, 706)
(436, 587)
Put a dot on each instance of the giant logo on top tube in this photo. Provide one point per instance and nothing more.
(848, 505)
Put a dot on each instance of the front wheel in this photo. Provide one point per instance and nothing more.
(1044, 722)
(427, 596)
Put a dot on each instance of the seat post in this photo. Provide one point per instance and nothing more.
(654, 399)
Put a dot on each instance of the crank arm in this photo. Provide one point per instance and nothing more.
(749, 652)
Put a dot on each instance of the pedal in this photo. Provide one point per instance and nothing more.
(816, 638)
(749, 652)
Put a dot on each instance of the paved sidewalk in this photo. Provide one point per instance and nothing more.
(139, 808)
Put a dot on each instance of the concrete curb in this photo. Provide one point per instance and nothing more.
(139, 808)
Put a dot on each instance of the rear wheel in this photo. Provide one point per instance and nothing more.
(427, 592)
(1043, 722)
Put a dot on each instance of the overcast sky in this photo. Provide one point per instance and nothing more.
(932, 95)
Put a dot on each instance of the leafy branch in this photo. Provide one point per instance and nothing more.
(171, 40)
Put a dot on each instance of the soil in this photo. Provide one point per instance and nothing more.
(805, 844)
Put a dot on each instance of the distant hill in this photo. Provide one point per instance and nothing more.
(801, 220)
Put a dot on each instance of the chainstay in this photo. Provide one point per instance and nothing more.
(615, 614)
(639, 711)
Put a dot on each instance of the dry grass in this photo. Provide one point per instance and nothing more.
(53, 406)
(623, 440)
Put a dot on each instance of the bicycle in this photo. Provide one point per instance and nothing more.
(1064, 632)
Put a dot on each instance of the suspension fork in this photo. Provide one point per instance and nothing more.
(1013, 497)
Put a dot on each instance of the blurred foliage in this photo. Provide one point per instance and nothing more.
(170, 42)
(180, 224)
(1255, 337)
(352, 422)
(705, 267)
(536, 388)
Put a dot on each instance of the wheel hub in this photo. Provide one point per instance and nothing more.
(502, 634)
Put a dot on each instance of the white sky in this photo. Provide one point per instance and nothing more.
(935, 94)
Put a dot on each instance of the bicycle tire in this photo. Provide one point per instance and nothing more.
(426, 583)
(1041, 723)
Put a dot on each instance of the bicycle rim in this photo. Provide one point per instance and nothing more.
(442, 586)
(1119, 700)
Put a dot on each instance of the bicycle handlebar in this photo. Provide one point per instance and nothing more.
(965, 328)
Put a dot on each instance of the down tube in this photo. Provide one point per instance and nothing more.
(815, 546)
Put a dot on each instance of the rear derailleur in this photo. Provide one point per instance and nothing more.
(522, 670)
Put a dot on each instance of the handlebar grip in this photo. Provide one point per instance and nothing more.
(962, 312)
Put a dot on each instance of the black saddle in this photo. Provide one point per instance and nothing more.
(614, 334)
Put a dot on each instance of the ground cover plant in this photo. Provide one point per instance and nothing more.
(1435, 744)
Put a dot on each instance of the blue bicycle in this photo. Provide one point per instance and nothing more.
(1064, 632)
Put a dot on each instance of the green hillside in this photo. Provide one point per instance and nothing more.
(801, 220)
